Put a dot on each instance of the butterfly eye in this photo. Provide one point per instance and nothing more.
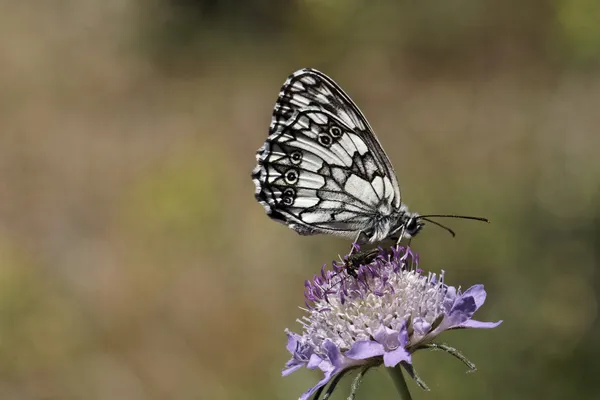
(291, 176)
(413, 226)
(289, 192)
(296, 157)
(325, 139)
(335, 131)
(288, 201)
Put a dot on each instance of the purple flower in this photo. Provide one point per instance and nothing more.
(379, 312)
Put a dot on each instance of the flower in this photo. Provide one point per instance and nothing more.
(377, 308)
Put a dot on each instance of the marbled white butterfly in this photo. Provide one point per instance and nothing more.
(322, 170)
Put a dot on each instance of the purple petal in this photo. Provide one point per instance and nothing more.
(479, 324)
(478, 293)
(403, 335)
(314, 362)
(421, 326)
(399, 354)
(321, 383)
(333, 353)
(462, 311)
(365, 349)
(336, 362)
(450, 297)
(291, 369)
(380, 334)
(292, 342)
(392, 358)
(386, 336)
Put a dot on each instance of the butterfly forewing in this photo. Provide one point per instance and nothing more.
(322, 169)
(308, 88)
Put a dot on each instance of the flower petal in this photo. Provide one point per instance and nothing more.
(292, 343)
(380, 334)
(392, 358)
(291, 369)
(403, 338)
(421, 326)
(333, 353)
(479, 324)
(478, 293)
(387, 337)
(449, 297)
(365, 349)
(328, 375)
(462, 311)
(314, 362)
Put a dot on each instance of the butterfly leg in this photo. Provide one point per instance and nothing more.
(355, 246)
(400, 237)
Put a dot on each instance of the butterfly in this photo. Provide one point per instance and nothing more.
(322, 169)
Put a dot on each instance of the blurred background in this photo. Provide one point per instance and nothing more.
(135, 263)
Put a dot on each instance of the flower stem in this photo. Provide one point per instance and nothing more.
(454, 352)
(400, 382)
(358, 380)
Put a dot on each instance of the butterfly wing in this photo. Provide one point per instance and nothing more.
(322, 170)
(309, 88)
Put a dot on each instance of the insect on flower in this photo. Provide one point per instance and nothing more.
(322, 169)
(381, 316)
(352, 262)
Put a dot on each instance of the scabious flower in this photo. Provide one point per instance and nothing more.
(375, 309)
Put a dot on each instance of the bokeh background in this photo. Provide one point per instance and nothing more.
(135, 263)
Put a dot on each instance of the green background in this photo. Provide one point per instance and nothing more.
(136, 264)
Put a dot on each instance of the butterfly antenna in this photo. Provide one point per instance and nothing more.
(438, 224)
(454, 216)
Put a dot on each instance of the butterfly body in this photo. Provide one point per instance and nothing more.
(322, 169)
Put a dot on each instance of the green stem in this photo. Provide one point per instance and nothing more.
(357, 381)
(454, 352)
(400, 382)
(334, 383)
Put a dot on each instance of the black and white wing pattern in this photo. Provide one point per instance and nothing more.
(322, 170)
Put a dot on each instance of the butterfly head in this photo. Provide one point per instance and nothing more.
(410, 223)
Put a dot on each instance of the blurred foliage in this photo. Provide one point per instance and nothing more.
(136, 264)
(178, 202)
(579, 24)
(456, 31)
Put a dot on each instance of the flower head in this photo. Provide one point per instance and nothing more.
(377, 312)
